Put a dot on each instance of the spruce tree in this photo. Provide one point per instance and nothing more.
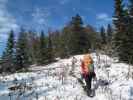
(93, 36)
(22, 56)
(118, 20)
(65, 40)
(42, 49)
(109, 33)
(103, 35)
(79, 42)
(8, 54)
(50, 56)
(129, 30)
(121, 37)
(60, 42)
(32, 38)
(131, 8)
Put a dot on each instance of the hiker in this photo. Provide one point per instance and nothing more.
(87, 70)
(74, 60)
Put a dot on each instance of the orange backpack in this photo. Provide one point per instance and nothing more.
(87, 60)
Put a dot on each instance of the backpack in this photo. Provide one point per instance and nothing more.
(91, 67)
(88, 64)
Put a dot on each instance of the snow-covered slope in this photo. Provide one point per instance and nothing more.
(53, 82)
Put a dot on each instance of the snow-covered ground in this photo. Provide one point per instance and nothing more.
(53, 82)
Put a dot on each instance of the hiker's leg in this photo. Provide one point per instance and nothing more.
(88, 83)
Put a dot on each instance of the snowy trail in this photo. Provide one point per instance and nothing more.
(47, 83)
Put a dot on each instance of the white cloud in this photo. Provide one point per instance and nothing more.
(62, 2)
(74, 9)
(104, 17)
(41, 16)
(7, 21)
(3, 37)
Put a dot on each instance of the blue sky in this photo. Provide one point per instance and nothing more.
(43, 14)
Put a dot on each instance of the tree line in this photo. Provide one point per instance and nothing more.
(30, 47)
(123, 36)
